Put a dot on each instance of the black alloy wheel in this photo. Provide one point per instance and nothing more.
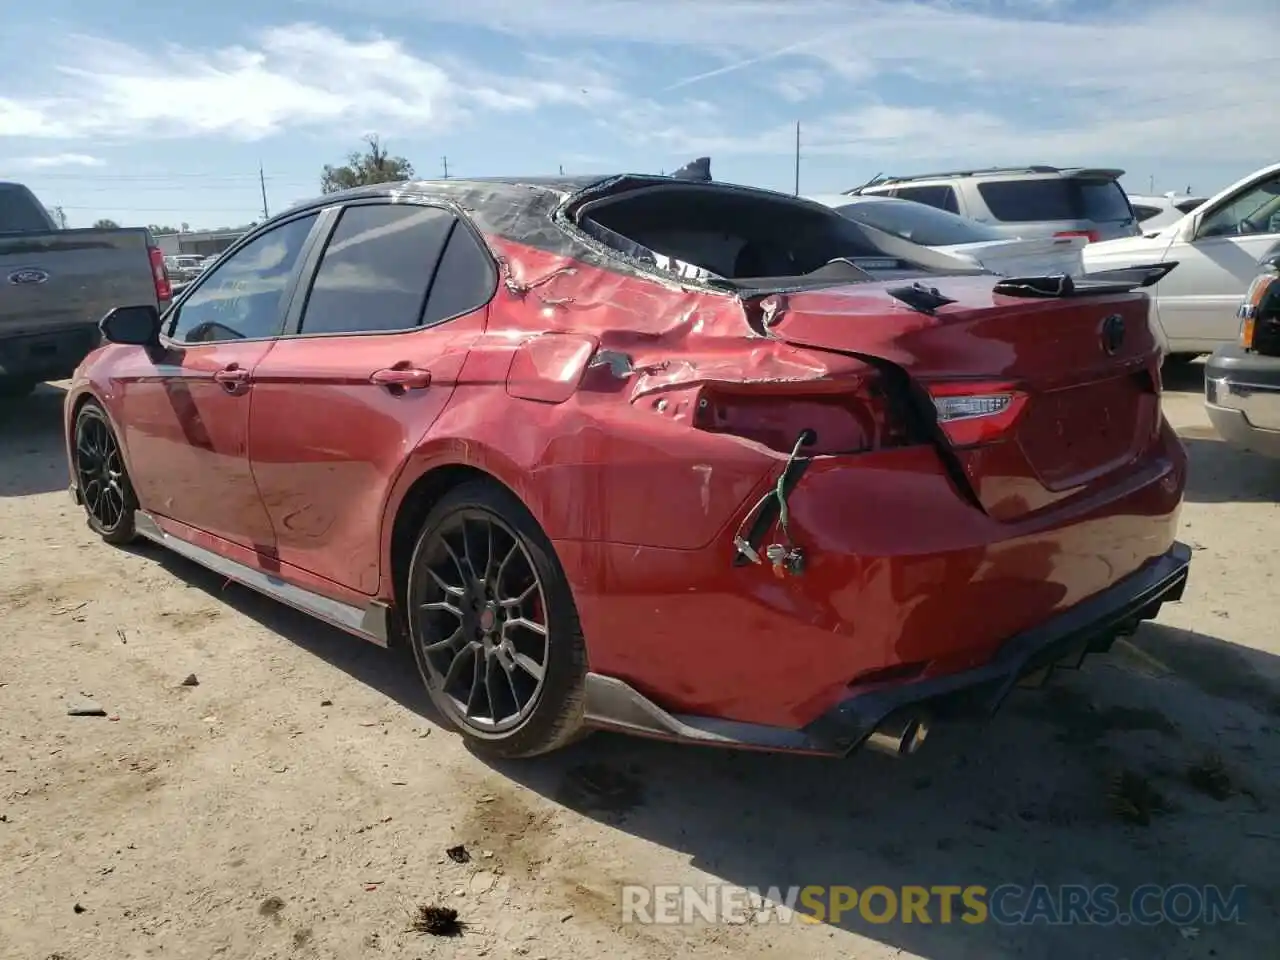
(493, 625)
(101, 477)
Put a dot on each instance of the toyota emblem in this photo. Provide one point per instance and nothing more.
(28, 275)
(1112, 334)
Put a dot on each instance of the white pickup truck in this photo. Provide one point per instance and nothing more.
(56, 284)
(1218, 247)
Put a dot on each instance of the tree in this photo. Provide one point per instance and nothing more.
(373, 166)
(105, 224)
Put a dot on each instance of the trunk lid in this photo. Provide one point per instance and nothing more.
(1024, 257)
(1081, 411)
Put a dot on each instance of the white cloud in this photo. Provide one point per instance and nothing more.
(301, 75)
(897, 83)
(796, 86)
(54, 161)
(1173, 80)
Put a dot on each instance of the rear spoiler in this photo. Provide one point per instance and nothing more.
(1095, 173)
(1120, 280)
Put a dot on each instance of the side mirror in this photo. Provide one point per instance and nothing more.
(137, 326)
(1270, 261)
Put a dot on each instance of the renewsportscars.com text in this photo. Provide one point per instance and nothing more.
(1007, 904)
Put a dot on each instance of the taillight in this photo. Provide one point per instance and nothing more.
(1090, 235)
(855, 420)
(971, 413)
(160, 276)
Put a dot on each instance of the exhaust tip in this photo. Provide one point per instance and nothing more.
(899, 736)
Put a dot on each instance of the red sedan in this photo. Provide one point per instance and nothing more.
(678, 458)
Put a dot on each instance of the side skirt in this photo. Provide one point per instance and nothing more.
(369, 623)
(613, 704)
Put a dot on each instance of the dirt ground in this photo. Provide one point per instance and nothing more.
(298, 801)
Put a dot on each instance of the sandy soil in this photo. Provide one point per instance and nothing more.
(299, 800)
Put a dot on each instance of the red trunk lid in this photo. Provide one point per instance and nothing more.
(1085, 385)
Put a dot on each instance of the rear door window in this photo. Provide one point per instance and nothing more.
(1058, 198)
(941, 196)
(394, 267)
(1144, 212)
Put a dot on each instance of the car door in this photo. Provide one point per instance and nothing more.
(374, 350)
(186, 414)
(1217, 257)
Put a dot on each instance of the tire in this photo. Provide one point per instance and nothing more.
(494, 628)
(99, 465)
(15, 389)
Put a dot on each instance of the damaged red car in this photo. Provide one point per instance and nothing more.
(673, 457)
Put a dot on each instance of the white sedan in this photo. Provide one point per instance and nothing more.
(1217, 247)
(962, 238)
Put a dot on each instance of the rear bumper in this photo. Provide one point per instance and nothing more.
(1064, 641)
(47, 356)
(1089, 627)
(1242, 399)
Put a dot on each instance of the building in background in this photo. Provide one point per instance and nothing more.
(202, 243)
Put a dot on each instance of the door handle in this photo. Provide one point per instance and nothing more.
(233, 378)
(406, 378)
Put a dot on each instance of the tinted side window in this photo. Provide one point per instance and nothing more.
(1143, 212)
(942, 197)
(1186, 206)
(465, 279)
(240, 298)
(376, 269)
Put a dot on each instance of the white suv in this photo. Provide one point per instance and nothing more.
(1036, 201)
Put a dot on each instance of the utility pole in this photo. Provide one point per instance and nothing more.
(797, 158)
(1152, 184)
(445, 161)
(562, 169)
(262, 182)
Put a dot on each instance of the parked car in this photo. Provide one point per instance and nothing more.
(649, 454)
(1036, 201)
(184, 267)
(1217, 248)
(1242, 379)
(1156, 213)
(56, 284)
(960, 237)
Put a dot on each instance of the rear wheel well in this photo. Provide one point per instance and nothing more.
(415, 506)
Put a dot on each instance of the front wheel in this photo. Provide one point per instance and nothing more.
(493, 625)
(105, 491)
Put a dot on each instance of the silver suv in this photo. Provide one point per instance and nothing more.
(1024, 202)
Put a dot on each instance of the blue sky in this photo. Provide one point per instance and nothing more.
(154, 112)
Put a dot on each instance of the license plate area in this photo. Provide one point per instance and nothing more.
(1071, 435)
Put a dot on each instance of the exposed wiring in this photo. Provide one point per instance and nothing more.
(784, 513)
(776, 552)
